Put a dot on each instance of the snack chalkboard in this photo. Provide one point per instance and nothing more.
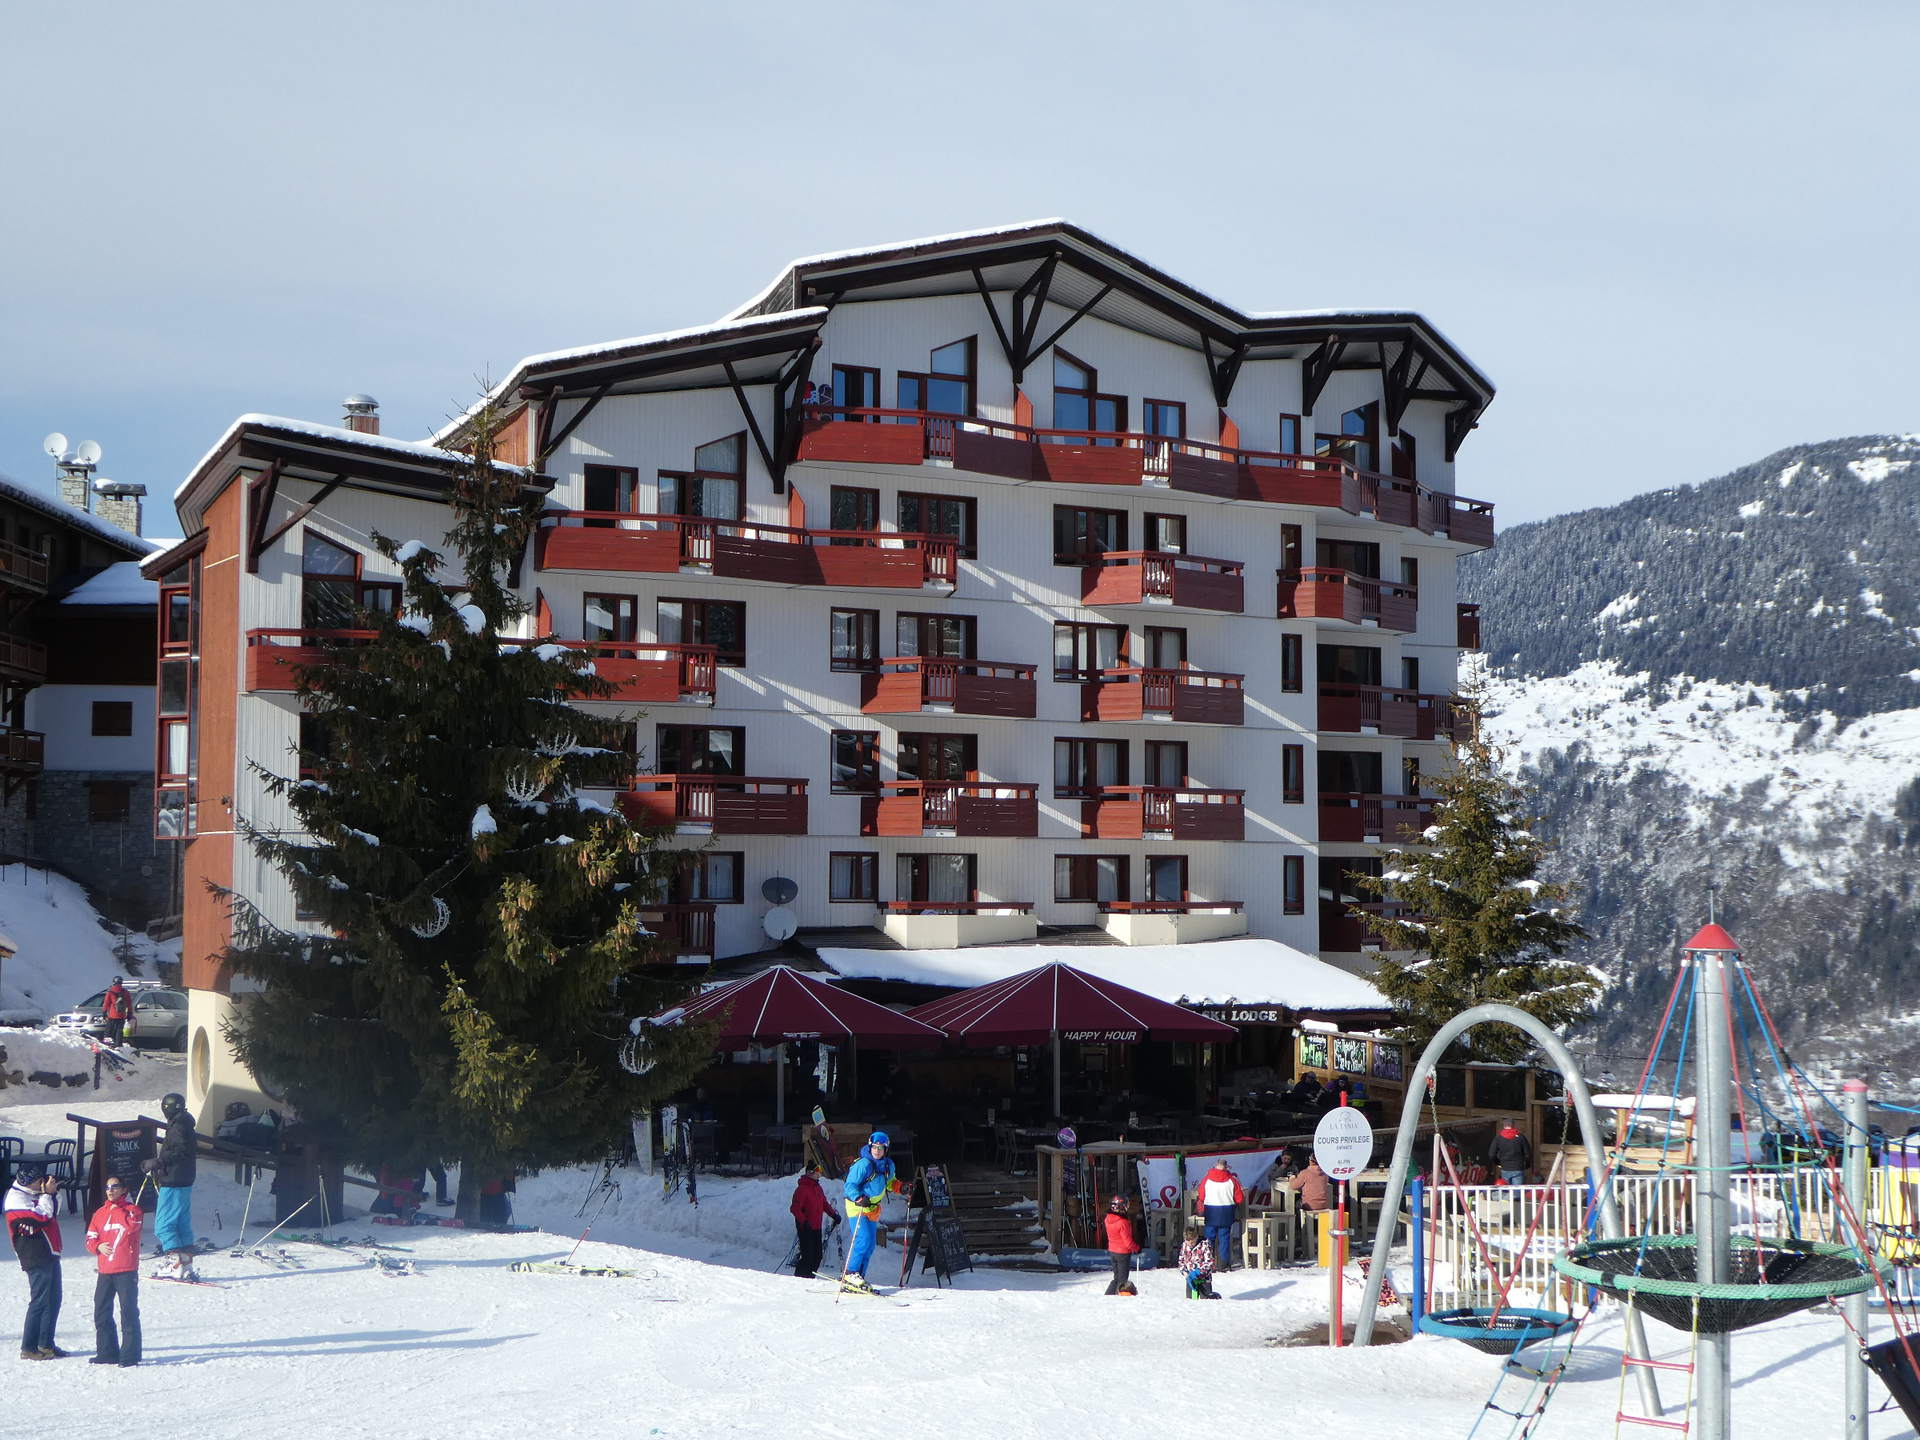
(937, 1230)
(119, 1151)
(947, 1246)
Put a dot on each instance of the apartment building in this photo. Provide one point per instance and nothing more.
(976, 585)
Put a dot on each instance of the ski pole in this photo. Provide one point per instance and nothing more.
(247, 1213)
(286, 1222)
(589, 1230)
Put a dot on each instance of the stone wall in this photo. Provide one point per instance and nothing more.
(128, 873)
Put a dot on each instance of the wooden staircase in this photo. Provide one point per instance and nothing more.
(996, 1210)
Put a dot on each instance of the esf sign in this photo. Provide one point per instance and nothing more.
(1242, 1016)
(1107, 1037)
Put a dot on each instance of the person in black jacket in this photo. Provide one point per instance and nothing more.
(1512, 1155)
(172, 1170)
(33, 1224)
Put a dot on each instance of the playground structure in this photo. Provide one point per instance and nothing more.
(1746, 1258)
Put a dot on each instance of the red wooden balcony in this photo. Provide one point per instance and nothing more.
(22, 752)
(1161, 577)
(1322, 593)
(1150, 812)
(22, 568)
(911, 809)
(653, 674)
(1374, 819)
(743, 550)
(1467, 522)
(1467, 626)
(912, 684)
(1191, 697)
(274, 655)
(685, 931)
(1376, 709)
(1342, 931)
(718, 804)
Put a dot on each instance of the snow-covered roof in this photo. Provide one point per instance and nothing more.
(79, 519)
(1247, 971)
(418, 450)
(120, 584)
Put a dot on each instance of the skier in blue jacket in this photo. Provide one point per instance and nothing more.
(869, 1179)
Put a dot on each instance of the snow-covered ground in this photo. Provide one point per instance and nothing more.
(709, 1340)
(63, 951)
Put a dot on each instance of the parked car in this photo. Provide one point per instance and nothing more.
(159, 1016)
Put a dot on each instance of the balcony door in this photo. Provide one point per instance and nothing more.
(946, 386)
(949, 637)
(1349, 772)
(1082, 767)
(1348, 664)
(1082, 650)
(610, 490)
(700, 749)
(712, 489)
(1358, 557)
(927, 756)
(1079, 405)
(856, 387)
(611, 617)
(1167, 879)
(332, 594)
(1166, 647)
(933, 879)
(1166, 764)
(1081, 535)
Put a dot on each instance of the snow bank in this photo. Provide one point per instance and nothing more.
(63, 951)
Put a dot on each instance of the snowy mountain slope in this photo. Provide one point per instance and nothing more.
(1713, 691)
(64, 950)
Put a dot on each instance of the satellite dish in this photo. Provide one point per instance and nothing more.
(780, 922)
(55, 445)
(779, 890)
(88, 453)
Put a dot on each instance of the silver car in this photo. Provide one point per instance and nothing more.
(159, 1016)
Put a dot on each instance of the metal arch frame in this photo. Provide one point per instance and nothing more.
(1403, 1157)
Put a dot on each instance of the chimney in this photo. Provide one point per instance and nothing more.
(363, 414)
(120, 504)
(76, 484)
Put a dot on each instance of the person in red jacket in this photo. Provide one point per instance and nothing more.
(116, 1008)
(810, 1214)
(1121, 1247)
(113, 1239)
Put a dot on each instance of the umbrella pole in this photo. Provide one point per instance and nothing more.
(1056, 1074)
(780, 1083)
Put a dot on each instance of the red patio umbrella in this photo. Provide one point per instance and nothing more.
(1057, 1001)
(784, 1004)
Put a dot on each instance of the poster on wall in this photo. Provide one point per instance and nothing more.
(1160, 1176)
(1386, 1061)
(1313, 1052)
(1349, 1055)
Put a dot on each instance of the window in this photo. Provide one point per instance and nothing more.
(1358, 440)
(1081, 767)
(947, 386)
(315, 742)
(1167, 879)
(852, 507)
(1347, 664)
(857, 386)
(1405, 457)
(854, 639)
(1082, 535)
(933, 878)
(1349, 772)
(1291, 551)
(1077, 403)
(1165, 532)
(700, 749)
(926, 756)
(1166, 647)
(1361, 557)
(948, 636)
(1166, 764)
(332, 594)
(1080, 879)
(177, 620)
(611, 489)
(108, 801)
(854, 765)
(714, 878)
(713, 487)
(853, 875)
(1410, 572)
(1165, 417)
(113, 717)
(1081, 651)
(1293, 774)
(719, 623)
(1290, 435)
(1293, 884)
(611, 617)
(1409, 672)
(1290, 664)
(949, 515)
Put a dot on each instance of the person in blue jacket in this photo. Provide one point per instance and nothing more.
(869, 1179)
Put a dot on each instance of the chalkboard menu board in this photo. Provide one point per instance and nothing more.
(934, 1177)
(936, 1231)
(119, 1151)
(947, 1246)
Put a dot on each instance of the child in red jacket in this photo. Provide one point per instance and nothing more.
(1121, 1246)
(810, 1214)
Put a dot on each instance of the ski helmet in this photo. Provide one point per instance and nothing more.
(879, 1137)
(172, 1103)
(1118, 1205)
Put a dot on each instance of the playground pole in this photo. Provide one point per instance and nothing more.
(1712, 1182)
(1854, 1180)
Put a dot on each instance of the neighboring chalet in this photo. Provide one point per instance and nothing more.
(984, 587)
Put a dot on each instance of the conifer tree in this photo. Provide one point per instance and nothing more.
(1467, 903)
(482, 944)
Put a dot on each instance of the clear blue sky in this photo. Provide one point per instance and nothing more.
(1677, 237)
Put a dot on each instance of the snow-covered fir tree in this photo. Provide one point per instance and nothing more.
(481, 944)
(1479, 923)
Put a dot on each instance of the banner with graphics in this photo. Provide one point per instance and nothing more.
(1160, 1176)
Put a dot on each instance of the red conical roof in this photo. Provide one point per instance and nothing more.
(1712, 937)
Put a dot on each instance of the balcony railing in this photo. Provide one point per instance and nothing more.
(957, 907)
(1467, 626)
(1172, 907)
(1137, 812)
(687, 930)
(874, 436)
(744, 550)
(653, 674)
(22, 751)
(274, 656)
(1320, 592)
(1191, 697)
(909, 684)
(21, 567)
(1371, 819)
(913, 808)
(719, 804)
(22, 659)
(1409, 714)
(1163, 577)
